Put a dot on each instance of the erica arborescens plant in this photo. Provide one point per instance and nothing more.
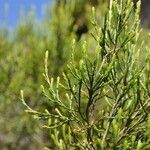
(103, 100)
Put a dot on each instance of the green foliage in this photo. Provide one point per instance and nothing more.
(78, 104)
(21, 67)
(102, 101)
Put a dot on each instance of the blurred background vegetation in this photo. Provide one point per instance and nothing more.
(22, 64)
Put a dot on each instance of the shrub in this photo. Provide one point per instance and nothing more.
(103, 100)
